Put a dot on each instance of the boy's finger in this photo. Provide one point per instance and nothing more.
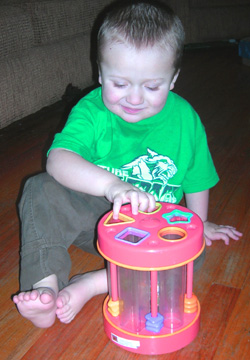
(208, 241)
(134, 200)
(231, 232)
(151, 203)
(116, 208)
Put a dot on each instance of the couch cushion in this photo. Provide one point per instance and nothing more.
(16, 34)
(40, 76)
(54, 20)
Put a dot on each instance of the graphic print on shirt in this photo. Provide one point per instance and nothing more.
(150, 173)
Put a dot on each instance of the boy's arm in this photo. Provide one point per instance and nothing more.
(78, 174)
(198, 202)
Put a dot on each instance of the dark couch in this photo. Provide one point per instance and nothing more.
(44, 46)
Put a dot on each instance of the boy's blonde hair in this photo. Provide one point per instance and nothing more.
(143, 24)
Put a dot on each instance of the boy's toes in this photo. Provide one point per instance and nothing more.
(34, 294)
(65, 317)
(16, 299)
(46, 297)
(62, 300)
(30, 295)
(63, 310)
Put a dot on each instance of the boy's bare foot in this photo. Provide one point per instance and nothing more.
(80, 290)
(38, 306)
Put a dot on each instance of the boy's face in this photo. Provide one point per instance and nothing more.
(136, 83)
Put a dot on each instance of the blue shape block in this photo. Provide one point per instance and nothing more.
(154, 324)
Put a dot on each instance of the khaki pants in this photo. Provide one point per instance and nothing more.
(54, 217)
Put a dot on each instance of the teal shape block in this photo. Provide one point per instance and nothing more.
(178, 217)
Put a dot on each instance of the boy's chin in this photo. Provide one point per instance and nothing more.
(131, 119)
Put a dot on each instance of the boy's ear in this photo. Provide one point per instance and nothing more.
(100, 78)
(174, 79)
(99, 74)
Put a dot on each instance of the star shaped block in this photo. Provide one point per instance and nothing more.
(178, 217)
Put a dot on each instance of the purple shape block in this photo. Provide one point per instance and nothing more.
(154, 324)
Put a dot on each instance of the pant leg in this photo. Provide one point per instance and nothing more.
(200, 260)
(53, 217)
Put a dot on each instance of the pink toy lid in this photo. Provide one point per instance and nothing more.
(168, 236)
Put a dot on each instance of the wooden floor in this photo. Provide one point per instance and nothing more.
(218, 86)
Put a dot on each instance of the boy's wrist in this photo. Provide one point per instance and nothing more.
(116, 187)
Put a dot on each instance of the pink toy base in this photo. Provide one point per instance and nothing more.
(151, 344)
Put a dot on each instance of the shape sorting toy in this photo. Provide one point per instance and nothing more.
(151, 308)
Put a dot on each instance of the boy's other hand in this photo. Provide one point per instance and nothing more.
(121, 193)
(220, 232)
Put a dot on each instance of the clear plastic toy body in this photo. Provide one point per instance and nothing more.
(151, 308)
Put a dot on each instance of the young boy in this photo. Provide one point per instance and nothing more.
(131, 140)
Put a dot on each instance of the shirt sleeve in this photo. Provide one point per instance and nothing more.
(201, 174)
(78, 134)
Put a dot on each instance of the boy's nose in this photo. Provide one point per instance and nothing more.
(135, 97)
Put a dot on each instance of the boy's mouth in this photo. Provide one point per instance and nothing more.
(132, 111)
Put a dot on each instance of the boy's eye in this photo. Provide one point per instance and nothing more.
(152, 88)
(120, 86)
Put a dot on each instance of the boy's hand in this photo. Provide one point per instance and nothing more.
(219, 232)
(122, 192)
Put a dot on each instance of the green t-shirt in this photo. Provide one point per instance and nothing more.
(166, 155)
